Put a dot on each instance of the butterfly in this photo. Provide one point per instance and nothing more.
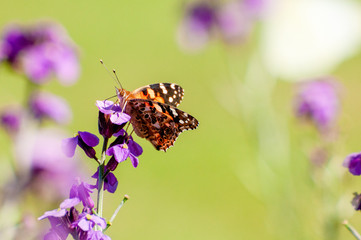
(154, 113)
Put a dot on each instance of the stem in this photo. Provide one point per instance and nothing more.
(101, 180)
(352, 230)
(126, 197)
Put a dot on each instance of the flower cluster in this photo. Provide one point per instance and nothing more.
(40, 51)
(232, 21)
(68, 220)
(89, 224)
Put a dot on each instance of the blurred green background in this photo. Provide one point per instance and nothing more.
(210, 185)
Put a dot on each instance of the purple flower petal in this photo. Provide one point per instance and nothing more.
(134, 160)
(99, 221)
(97, 235)
(353, 163)
(37, 64)
(119, 118)
(52, 235)
(48, 105)
(84, 224)
(66, 65)
(14, 41)
(82, 191)
(53, 213)
(105, 106)
(68, 146)
(135, 148)
(89, 138)
(110, 183)
(122, 132)
(120, 153)
(70, 202)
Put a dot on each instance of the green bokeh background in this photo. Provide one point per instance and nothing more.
(194, 191)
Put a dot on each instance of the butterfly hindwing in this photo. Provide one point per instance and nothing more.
(159, 123)
(168, 93)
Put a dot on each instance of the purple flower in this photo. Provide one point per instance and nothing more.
(47, 105)
(87, 222)
(353, 163)
(117, 116)
(318, 101)
(82, 190)
(14, 41)
(232, 21)
(356, 201)
(110, 181)
(121, 152)
(67, 220)
(10, 118)
(196, 27)
(61, 219)
(85, 140)
(111, 118)
(40, 51)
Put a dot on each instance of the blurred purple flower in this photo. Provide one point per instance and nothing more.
(110, 181)
(196, 26)
(353, 163)
(318, 101)
(47, 105)
(11, 119)
(40, 51)
(232, 20)
(255, 8)
(41, 159)
(356, 201)
(85, 140)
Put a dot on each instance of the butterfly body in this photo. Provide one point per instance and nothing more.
(154, 115)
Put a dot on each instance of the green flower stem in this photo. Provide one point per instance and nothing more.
(352, 230)
(126, 197)
(101, 180)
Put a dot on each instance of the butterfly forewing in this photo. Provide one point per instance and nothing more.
(168, 93)
(158, 122)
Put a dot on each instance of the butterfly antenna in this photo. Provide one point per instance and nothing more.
(115, 79)
(110, 97)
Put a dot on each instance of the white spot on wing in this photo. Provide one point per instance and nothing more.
(170, 99)
(161, 85)
(172, 86)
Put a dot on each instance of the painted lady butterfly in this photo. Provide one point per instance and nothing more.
(154, 115)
